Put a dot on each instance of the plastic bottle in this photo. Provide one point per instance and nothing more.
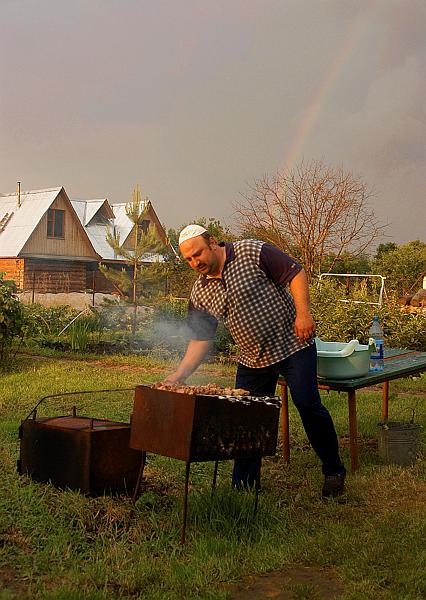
(377, 362)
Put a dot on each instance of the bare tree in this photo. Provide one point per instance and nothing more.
(313, 212)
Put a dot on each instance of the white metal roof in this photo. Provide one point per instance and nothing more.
(121, 224)
(87, 209)
(20, 222)
(97, 234)
(23, 219)
(96, 231)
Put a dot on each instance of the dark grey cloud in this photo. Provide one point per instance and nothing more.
(193, 99)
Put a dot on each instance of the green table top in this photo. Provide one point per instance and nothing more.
(398, 363)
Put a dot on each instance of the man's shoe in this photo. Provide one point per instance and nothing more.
(334, 485)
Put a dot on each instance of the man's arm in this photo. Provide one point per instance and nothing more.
(304, 326)
(195, 354)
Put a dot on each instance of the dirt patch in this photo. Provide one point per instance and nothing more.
(294, 583)
(96, 362)
(403, 490)
(363, 442)
(9, 581)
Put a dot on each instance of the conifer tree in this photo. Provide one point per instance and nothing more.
(133, 282)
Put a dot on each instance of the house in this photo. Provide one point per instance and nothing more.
(51, 244)
(43, 245)
(99, 216)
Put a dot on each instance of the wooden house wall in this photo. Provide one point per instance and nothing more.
(97, 281)
(55, 276)
(75, 242)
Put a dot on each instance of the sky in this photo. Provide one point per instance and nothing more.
(194, 99)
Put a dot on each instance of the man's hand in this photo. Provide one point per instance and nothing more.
(304, 327)
(173, 378)
(195, 353)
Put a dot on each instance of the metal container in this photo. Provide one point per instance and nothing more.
(90, 455)
(398, 442)
(203, 428)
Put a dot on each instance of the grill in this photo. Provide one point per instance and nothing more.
(203, 428)
(78, 452)
(196, 428)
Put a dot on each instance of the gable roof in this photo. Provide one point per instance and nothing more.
(87, 209)
(17, 224)
(96, 230)
(117, 221)
(20, 221)
(123, 225)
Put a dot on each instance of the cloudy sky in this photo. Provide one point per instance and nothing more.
(192, 99)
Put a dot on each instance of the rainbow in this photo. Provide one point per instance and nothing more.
(319, 97)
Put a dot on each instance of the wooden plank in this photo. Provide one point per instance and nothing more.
(50, 276)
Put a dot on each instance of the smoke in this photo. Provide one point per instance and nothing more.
(156, 334)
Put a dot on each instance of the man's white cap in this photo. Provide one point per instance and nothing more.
(191, 231)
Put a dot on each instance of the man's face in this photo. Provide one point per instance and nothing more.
(201, 255)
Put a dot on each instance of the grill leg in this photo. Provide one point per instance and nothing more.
(216, 465)
(257, 487)
(137, 488)
(185, 503)
(285, 429)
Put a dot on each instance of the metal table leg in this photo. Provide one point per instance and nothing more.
(353, 433)
(385, 400)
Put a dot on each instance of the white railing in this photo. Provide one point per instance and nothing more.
(382, 292)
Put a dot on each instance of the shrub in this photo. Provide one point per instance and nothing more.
(42, 322)
(170, 309)
(81, 331)
(337, 320)
(11, 318)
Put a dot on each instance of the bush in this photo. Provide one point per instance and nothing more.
(170, 309)
(81, 332)
(11, 318)
(44, 322)
(337, 320)
(119, 316)
(403, 265)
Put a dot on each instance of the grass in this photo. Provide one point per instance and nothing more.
(60, 545)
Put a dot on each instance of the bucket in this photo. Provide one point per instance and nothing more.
(398, 442)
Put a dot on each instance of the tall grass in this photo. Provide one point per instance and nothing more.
(58, 544)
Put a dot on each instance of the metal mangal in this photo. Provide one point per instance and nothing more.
(78, 452)
(196, 428)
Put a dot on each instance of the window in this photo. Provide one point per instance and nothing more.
(55, 223)
(144, 226)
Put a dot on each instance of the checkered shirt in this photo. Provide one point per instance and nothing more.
(257, 310)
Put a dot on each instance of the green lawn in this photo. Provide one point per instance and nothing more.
(61, 545)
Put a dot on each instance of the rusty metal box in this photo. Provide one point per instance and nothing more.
(90, 455)
(193, 427)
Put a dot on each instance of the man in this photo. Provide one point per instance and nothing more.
(245, 284)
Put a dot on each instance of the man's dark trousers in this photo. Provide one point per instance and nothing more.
(300, 372)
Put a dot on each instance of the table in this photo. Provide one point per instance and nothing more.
(398, 363)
